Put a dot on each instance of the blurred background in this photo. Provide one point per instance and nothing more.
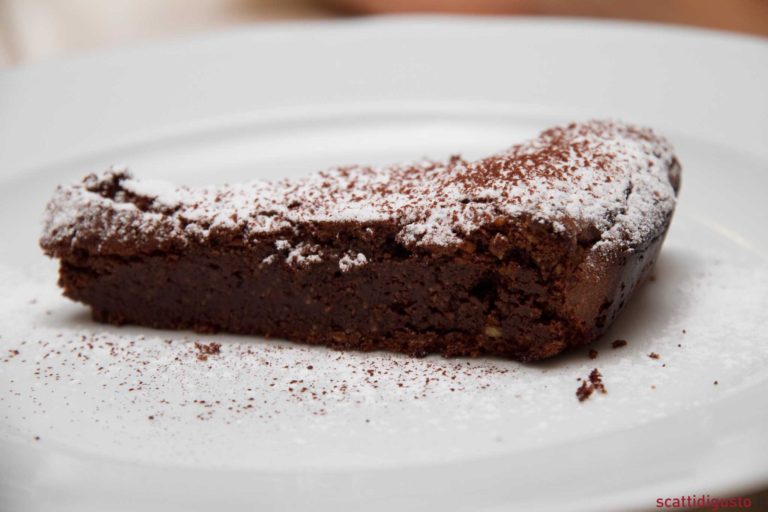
(31, 30)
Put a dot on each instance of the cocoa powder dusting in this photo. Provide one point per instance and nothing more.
(204, 350)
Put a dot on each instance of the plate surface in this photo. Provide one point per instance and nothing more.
(95, 417)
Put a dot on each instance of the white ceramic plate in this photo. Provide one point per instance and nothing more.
(254, 427)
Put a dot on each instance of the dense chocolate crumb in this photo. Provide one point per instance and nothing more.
(618, 343)
(654, 355)
(592, 353)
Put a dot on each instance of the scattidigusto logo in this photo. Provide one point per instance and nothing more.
(704, 501)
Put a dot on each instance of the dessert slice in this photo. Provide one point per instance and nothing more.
(521, 254)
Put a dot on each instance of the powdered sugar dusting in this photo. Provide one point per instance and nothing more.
(607, 176)
(349, 261)
(303, 255)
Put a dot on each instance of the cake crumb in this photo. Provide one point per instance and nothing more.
(716, 383)
(590, 385)
(592, 353)
(584, 391)
(596, 379)
(654, 355)
(619, 343)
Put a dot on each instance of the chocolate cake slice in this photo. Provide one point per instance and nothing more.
(521, 254)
